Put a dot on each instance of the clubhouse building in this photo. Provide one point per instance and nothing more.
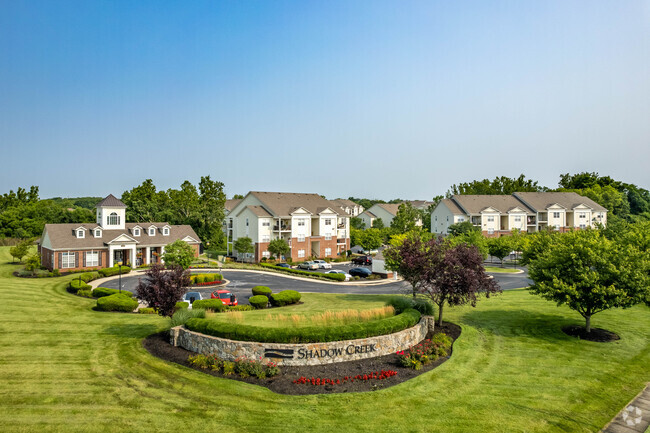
(110, 240)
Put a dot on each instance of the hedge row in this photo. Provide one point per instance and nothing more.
(217, 306)
(117, 303)
(109, 272)
(312, 334)
(259, 301)
(101, 292)
(76, 285)
(205, 278)
(261, 290)
(334, 277)
(285, 297)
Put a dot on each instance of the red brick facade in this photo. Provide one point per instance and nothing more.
(309, 246)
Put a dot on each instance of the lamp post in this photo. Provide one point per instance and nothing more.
(119, 264)
(207, 251)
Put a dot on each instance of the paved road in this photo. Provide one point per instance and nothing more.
(242, 281)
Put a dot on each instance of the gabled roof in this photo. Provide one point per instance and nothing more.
(390, 208)
(230, 204)
(370, 214)
(258, 210)
(452, 206)
(474, 204)
(420, 204)
(110, 201)
(540, 201)
(282, 204)
(341, 202)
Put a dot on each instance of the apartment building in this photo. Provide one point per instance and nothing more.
(497, 215)
(310, 224)
(348, 206)
(386, 212)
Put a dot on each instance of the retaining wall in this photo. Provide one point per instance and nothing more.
(302, 354)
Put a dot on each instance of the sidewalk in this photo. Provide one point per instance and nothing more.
(634, 417)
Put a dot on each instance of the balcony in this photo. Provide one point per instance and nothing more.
(341, 226)
(476, 221)
(282, 228)
(531, 221)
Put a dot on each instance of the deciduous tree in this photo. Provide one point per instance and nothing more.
(244, 245)
(178, 253)
(19, 251)
(161, 288)
(406, 218)
(279, 247)
(500, 247)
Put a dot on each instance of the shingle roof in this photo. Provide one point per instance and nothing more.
(111, 201)
(230, 204)
(344, 202)
(62, 235)
(259, 211)
(420, 204)
(284, 203)
(390, 208)
(474, 204)
(452, 206)
(540, 201)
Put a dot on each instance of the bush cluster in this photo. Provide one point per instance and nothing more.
(115, 270)
(242, 366)
(208, 304)
(147, 310)
(261, 290)
(206, 278)
(313, 334)
(259, 301)
(425, 352)
(285, 297)
(76, 285)
(85, 293)
(181, 305)
(183, 315)
(334, 277)
(401, 303)
(117, 303)
(101, 292)
(89, 276)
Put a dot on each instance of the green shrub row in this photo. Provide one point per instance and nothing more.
(285, 297)
(109, 272)
(117, 303)
(313, 334)
(334, 277)
(205, 278)
(101, 292)
(401, 303)
(181, 305)
(89, 276)
(76, 285)
(183, 315)
(261, 290)
(208, 304)
(259, 301)
(147, 310)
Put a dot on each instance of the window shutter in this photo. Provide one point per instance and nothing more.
(84, 255)
(101, 253)
(60, 260)
(76, 259)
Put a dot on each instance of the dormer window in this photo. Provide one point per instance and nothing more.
(136, 232)
(81, 234)
(113, 219)
(166, 231)
(152, 231)
(98, 233)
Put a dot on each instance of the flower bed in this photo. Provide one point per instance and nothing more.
(373, 375)
(208, 283)
(425, 352)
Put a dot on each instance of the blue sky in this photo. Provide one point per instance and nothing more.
(352, 98)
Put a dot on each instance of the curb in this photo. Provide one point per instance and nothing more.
(315, 280)
(634, 417)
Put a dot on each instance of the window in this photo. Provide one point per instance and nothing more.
(557, 227)
(67, 260)
(460, 219)
(436, 217)
(328, 221)
(136, 232)
(328, 252)
(490, 219)
(113, 219)
(92, 258)
(301, 222)
(328, 237)
(583, 226)
(301, 238)
(98, 233)
(583, 215)
(266, 254)
(81, 234)
(447, 217)
(266, 238)
(166, 231)
(301, 253)
(518, 219)
(266, 223)
(556, 214)
(490, 231)
(152, 231)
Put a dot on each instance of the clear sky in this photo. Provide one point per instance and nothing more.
(378, 99)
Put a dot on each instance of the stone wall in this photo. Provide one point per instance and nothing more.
(303, 354)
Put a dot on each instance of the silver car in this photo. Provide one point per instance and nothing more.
(322, 264)
(308, 265)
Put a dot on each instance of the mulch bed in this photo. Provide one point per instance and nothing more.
(598, 335)
(158, 345)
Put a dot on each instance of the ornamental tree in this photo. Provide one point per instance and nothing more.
(370, 239)
(406, 219)
(408, 257)
(178, 253)
(591, 273)
(244, 245)
(161, 288)
(19, 251)
(279, 247)
(500, 247)
(456, 275)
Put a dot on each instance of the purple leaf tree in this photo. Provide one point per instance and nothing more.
(162, 288)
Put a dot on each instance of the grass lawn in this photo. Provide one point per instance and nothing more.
(499, 269)
(64, 367)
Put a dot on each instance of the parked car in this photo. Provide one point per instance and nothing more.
(308, 265)
(226, 297)
(282, 265)
(322, 264)
(362, 260)
(190, 297)
(360, 272)
(336, 271)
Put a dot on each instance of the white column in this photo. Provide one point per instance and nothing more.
(162, 251)
(110, 256)
(147, 253)
(134, 257)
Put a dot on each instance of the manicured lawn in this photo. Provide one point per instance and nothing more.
(499, 269)
(64, 367)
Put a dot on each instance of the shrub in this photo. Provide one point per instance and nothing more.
(117, 303)
(89, 276)
(334, 277)
(228, 368)
(147, 310)
(259, 301)
(101, 292)
(25, 273)
(240, 308)
(401, 303)
(285, 297)
(423, 306)
(109, 272)
(183, 315)
(85, 293)
(56, 273)
(76, 285)
(312, 334)
(42, 273)
(209, 304)
(261, 290)
(425, 352)
(181, 305)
